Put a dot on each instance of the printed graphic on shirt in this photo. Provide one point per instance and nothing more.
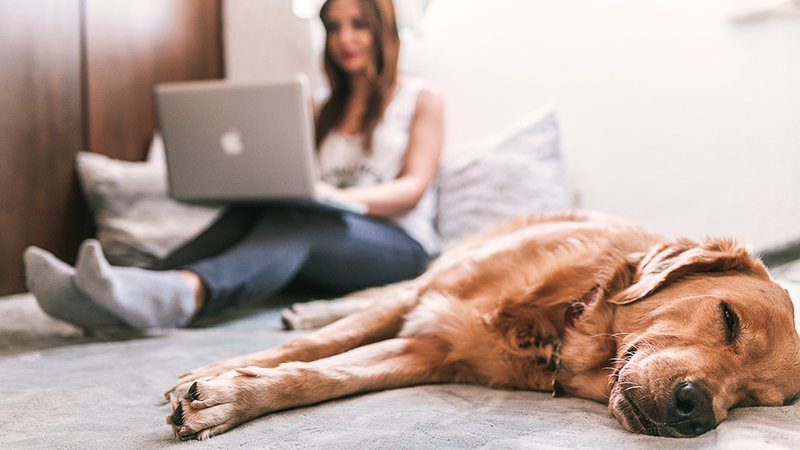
(352, 175)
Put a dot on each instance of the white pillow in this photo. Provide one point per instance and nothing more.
(136, 220)
(518, 171)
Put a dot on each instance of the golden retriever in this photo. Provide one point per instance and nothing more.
(670, 333)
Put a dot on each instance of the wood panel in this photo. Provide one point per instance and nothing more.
(75, 75)
(130, 46)
(40, 131)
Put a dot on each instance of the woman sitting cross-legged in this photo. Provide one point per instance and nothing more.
(379, 136)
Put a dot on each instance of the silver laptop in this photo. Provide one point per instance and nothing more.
(241, 143)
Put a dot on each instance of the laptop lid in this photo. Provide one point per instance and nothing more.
(238, 142)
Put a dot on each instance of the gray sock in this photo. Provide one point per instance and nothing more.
(142, 298)
(52, 283)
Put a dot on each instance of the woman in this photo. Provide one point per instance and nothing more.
(379, 136)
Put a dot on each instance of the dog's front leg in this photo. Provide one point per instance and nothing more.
(382, 320)
(216, 405)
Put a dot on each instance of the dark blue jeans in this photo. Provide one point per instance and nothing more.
(250, 254)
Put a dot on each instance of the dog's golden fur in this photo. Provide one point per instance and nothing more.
(671, 334)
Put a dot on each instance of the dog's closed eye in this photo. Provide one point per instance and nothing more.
(731, 322)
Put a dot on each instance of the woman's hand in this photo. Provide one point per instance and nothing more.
(329, 191)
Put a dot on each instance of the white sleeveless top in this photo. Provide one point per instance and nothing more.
(343, 163)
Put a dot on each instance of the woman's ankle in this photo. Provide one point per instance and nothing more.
(195, 283)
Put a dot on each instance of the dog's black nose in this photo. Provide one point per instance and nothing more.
(691, 412)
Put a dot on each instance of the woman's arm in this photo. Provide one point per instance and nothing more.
(426, 138)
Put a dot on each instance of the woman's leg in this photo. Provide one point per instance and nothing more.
(230, 228)
(152, 298)
(141, 298)
(364, 253)
(336, 253)
(271, 247)
(262, 263)
(96, 294)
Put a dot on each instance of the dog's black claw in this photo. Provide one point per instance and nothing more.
(177, 416)
(192, 394)
(558, 390)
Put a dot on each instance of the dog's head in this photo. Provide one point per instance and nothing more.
(701, 329)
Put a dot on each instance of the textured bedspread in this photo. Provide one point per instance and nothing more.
(60, 389)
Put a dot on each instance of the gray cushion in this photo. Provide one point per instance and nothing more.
(518, 171)
(136, 220)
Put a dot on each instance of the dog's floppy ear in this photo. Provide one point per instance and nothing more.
(669, 261)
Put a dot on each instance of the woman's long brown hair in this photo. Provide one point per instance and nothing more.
(380, 17)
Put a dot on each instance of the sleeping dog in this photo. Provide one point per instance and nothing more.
(671, 334)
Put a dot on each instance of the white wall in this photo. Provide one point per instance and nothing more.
(263, 39)
(671, 115)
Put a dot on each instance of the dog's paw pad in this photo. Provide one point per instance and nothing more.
(248, 371)
(185, 433)
(198, 404)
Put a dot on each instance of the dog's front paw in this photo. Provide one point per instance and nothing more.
(205, 373)
(211, 406)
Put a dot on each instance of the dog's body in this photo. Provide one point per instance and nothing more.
(672, 334)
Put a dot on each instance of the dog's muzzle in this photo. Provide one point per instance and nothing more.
(691, 412)
(687, 412)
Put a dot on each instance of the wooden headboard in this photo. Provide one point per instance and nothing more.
(78, 75)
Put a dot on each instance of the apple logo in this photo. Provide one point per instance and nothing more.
(231, 142)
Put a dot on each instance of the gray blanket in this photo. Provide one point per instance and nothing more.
(61, 389)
